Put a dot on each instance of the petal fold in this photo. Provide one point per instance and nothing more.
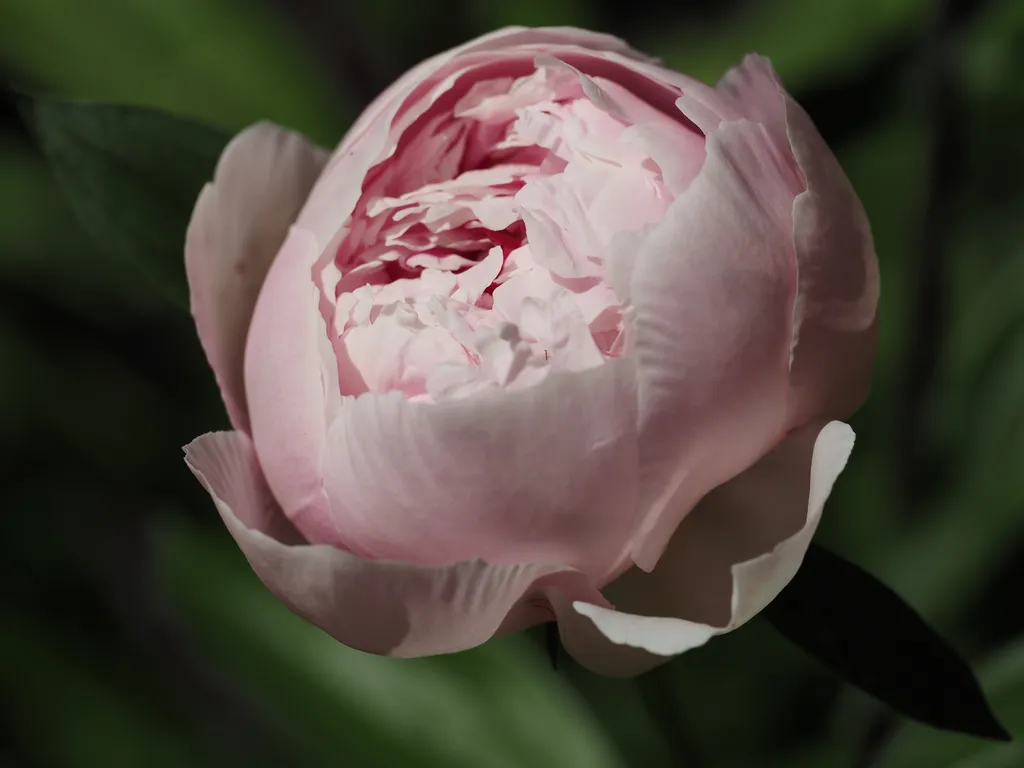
(835, 328)
(543, 473)
(728, 560)
(239, 223)
(386, 608)
(713, 286)
(290, 378)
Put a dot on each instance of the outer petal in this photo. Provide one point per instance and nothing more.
(380, 607)
(239, 223)
(728, 560)
(839, 283)
(288, 365)
(836, 325)
(713, 287)
(544, 473)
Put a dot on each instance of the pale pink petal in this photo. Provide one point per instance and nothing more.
(387, 608)
(665, 90)
(227, 466)
(591, 89)
(620, 260)
(546, 472)
(495, 213)
(287, 365)
(713, 288)
(839, 284)
(560, 329)
(496, 101)
(676, 147)
(478, 278)
(556, 228)
(729, 558)
(678, 159)
(239, 223)
(836, 328)
(394, 355)
(755, 93)
(523, 284)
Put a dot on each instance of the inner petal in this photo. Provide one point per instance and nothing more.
(476, 255)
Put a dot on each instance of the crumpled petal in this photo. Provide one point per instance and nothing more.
(836, 314)
(545, 473)
(712, 286)
(729, 558)
(239, 223)
(386, 608)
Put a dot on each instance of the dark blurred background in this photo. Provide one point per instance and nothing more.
(132, 633)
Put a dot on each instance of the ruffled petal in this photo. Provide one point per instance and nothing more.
(386, 608)
(238, 225)
(375, 134)
(713, 286)
(729, 558)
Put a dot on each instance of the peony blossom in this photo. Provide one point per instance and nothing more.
(555, 333)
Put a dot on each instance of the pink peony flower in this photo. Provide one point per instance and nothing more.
(555, 334)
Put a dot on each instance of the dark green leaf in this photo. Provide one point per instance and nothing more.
(857, 625)
(1003, 676)
(132, 176)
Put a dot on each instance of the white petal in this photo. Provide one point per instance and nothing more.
(728, 560)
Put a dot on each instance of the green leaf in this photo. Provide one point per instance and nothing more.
(132, 176)
(913, 746)
(45, 252)
(497, 705)
(855, 624)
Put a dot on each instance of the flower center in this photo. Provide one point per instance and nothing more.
(476, 255)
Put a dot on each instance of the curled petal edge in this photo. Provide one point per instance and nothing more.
(385, 608)
(627, 644)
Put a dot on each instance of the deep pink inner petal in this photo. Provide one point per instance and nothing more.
(475, 256)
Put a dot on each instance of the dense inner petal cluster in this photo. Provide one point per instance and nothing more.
(477, 254)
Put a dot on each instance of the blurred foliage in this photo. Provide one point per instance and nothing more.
(133, 633)
(104, 155)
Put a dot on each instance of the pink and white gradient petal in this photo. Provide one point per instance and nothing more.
(712, 286)
(728, 560)
(387, 608)
(238, 226)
